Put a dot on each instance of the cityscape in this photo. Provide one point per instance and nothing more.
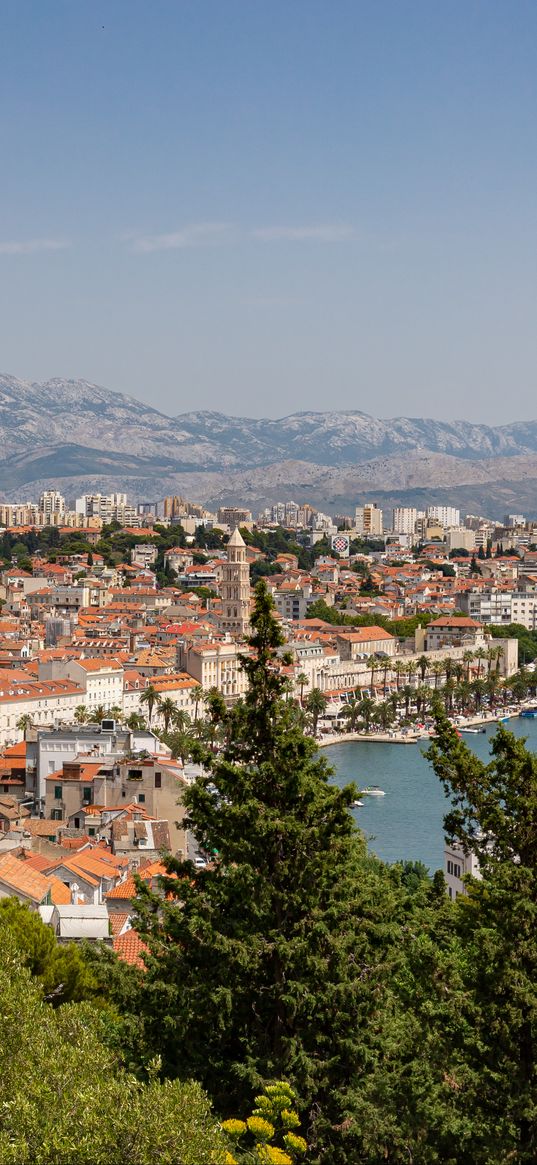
(268, 583)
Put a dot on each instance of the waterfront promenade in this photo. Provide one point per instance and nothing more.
(413, 736)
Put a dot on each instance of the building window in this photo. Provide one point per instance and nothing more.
(141, 797)
(91, 831)
(77, 822)
(86, 794)
(57, 792)
(56, 815)
(158, 781)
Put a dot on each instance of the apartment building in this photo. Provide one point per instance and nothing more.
(446, 516)
(214, 665)
(155, 783)
(404, 519)
(368, 520)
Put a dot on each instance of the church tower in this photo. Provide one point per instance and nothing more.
(235, 588)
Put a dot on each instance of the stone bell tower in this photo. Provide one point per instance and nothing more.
(235, 588)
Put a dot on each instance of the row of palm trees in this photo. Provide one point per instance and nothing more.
(458, 696)
(483, 661)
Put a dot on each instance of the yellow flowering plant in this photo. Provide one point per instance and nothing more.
(270, 1124)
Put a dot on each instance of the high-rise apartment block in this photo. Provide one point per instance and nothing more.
(368, 520)
(51, 502)
(404, 519)
(446, 516)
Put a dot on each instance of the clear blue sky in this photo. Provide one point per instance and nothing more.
(263, 207)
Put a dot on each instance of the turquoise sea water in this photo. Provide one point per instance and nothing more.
(407, 822)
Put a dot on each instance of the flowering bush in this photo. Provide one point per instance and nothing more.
(271, 1121)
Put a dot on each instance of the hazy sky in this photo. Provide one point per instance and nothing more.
(261, 206)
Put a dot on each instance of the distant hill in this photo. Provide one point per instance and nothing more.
(78, 436)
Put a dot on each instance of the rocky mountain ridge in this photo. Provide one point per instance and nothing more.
(78, 436)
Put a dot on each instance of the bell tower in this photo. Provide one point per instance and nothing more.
(235, 588)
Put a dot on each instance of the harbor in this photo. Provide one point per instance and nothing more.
(406, 824)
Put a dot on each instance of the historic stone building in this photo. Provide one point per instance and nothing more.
(235, 588)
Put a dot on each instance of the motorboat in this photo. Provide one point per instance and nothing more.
(373, 791)
(357, 804)
(474, 731)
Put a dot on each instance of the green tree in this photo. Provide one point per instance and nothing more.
(167, 709)
(149, 698)
(316, 704)
(494, 816)
(64, 1097)
(269, 963)
(61, 970)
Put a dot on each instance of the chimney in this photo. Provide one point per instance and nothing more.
(74, 893)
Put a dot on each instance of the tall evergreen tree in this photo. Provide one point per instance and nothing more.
(494, 816)
(269, 964)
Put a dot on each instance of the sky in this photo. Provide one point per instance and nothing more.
(270, 207)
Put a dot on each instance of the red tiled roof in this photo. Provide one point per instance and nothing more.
(130, 947)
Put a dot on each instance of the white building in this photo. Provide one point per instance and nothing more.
(368, 520)
(446, 516)
(404, 519)
(458, 863)
(51, 502)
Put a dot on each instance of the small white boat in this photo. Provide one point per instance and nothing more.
(373, 791)
(357, 804)
(474, 731)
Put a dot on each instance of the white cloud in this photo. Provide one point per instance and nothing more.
(31, 246)
(203, 234)
(324, 233)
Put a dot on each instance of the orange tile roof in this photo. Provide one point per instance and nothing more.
(23, 879)
(129, 947)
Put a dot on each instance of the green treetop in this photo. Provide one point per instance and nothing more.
(268, 964)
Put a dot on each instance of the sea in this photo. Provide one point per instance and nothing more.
(406, 824)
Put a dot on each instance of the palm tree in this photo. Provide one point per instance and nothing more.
(367, 707)
(386, 666)
(180, 744)
(462, 694)
(24, 723)
(423, 698)
(449, 690)
(116, 713)
(423, 665)
(150, 697)
(493, 683)
(384, 715)
(373, 664)
(97, 714)
(468, 658)
(197, 697)
(437, 668)
(411, 669)
(400, 670)
(135, 722)
(351, 712)
(407, 693)
(316, 704)
(180, 719)
(302, 679)
(81, 714)
(167, 709)
(481, 654)
(479, 688)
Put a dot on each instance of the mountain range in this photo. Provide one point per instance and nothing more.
(79, 437)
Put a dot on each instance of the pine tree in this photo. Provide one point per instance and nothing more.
(269, 964)
(494, 816)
